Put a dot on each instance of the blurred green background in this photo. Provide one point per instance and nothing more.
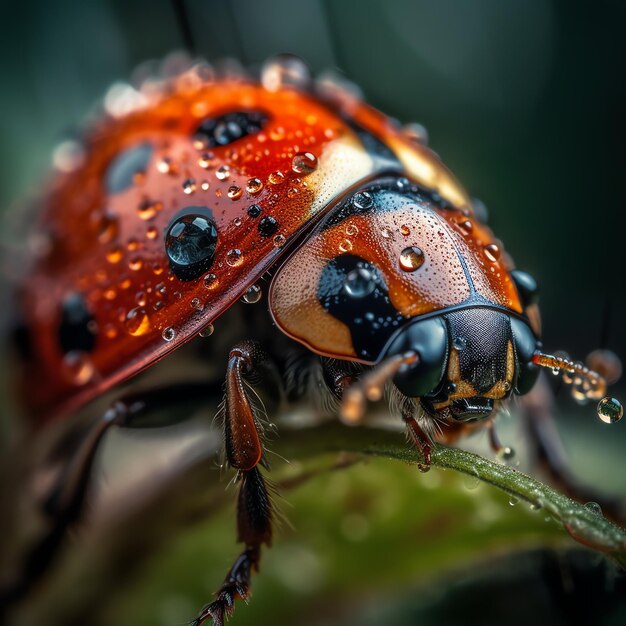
(524, 100)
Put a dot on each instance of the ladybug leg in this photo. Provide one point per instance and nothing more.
(244, 452)
(420, 439)
(538, 410)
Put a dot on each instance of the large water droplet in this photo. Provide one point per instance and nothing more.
(363, 200)
(137, 322)
(190, 244)
(168, 334)
(235, 192)
(304, 163)
(492, 252)
(254, 185)
(411, 258)
(594, 507)
(234, 257)
(610, 410)
(359, 283)
(253, 295)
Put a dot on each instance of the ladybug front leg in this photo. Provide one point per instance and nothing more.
(244, 452)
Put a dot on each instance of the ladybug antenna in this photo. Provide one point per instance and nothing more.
(371, 386)
(587, 384)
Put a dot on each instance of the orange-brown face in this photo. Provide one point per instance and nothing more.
(395, 269)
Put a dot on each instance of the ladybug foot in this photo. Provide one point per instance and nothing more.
(235, 585)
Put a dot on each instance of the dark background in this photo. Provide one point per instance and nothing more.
(524, 100)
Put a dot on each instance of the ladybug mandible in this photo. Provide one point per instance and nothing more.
(191, 193)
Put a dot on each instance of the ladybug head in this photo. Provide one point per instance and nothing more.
(466, 361)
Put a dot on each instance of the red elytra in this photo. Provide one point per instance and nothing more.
(107, 245)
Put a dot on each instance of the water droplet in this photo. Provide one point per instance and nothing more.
(411, 259)
(279, 240)
(359, 283)
(415, 132)
(284, 70)
(352, 230)
(254, 210)
(210, 281)
(109, 229)
(304, 163)
(235, 192)
(345, 246)
(79, 367)
(165, 166)
(140, 298)
(459, 343)
(205, 185)
(189, 186)
(610, 410)
(207, 331)
(254, 185)
(190, 244)
(137, 322)
(513, 500)
(152, 232)
(594, 507)
(268, 226)
(196, 304)
(253, 295)
(206, 160)
(276, 178)
(135, 264)
(222, 172)
(234, 257)
(405, 230)
(386, 233)
(363, 200)
(471, 481)
(114, 255)
(466, 227)
(492, 252)
(505, 454)
(147, 209)
(237, 222)
(168, 334)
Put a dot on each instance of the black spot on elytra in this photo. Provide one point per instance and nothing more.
(268, 226)
(223, 130)
(77, 328)
(122, 169)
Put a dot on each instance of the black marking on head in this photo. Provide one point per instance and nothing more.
(191, 242)
(77, 330)
(122, 169)
(215, 132)
(353, 290)
(481, 337)
(526, 287)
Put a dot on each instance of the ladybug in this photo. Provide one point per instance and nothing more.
(363, 265)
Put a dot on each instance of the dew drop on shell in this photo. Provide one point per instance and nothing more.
(252, 295)
(411, 259)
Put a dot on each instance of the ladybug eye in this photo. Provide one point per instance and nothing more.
(429, 339)
(525, 346)
(190, 243)
(222, 131)
(526, 287)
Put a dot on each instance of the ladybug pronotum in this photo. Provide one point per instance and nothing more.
(363, 267)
